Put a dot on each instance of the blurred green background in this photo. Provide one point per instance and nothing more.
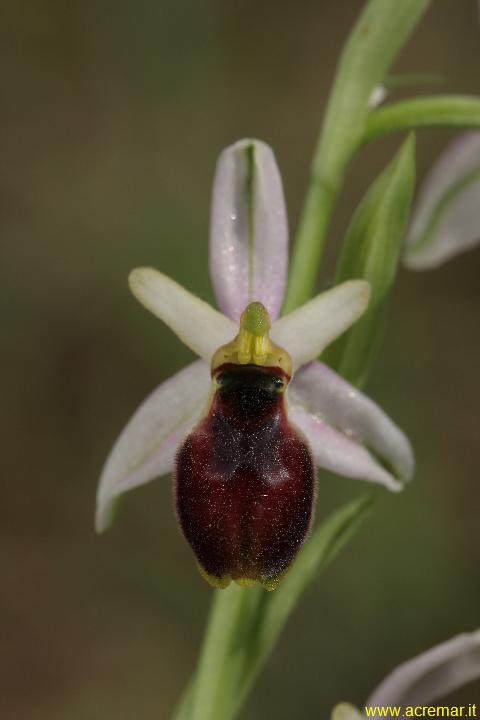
(112, 118)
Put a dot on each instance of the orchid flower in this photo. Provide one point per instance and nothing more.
(252, 363)
(446, 219)
(422, 680)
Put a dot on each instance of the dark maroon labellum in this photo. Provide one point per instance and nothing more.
(245, 480)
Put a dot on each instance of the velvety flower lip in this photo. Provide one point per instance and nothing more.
(446, 219)
(347, 433)
(425, 678)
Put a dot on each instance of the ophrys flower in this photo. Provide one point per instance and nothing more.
(244, 474)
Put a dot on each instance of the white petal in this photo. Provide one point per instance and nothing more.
(324, 393)
(249, 230)
(305, 332)
(432, 674)
(345, 711)
(146, 448)
(194, 321)
(336, 452)
(446, 219)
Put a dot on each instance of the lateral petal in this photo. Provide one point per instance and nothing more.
(194, 321)
(146, 447)
(446, 219)
(322, 392)
(248, 230)
(306, 331)
(432, 674)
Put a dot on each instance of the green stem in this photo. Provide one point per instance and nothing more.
(312, 232)
(437, 111)
(221, 661)
(380, 32)
(184, 706)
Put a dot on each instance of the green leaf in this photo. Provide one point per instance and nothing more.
(379, 34)
(371, 251)
(436, 111)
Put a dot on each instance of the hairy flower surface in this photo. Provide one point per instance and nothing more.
(422, 680)
(244, 426)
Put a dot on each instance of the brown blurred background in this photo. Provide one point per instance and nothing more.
(113, 115)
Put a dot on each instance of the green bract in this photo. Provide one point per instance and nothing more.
(371, 251)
